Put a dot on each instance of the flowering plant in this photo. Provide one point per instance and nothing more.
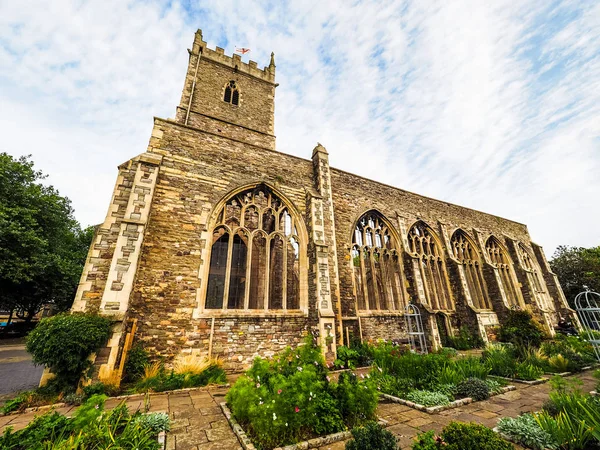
(291, 398)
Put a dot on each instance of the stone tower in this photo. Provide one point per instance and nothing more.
(242, 107)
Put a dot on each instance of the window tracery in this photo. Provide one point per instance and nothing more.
(376, 266)
(255, 255)
(501, 261)
(232, 94)
(533, 274)
(424, 246)
(465, 252)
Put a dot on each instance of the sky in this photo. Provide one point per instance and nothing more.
(490, 105)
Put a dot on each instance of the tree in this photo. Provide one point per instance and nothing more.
(42, 246)
(576, 267)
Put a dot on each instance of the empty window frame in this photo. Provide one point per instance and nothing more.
(535, 277)
(377, 269)
(255, 255)
(502, 262)
(424, 245)
(464, 250)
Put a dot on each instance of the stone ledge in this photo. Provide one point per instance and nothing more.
(440, 408)
(311, 443)
(517, 380)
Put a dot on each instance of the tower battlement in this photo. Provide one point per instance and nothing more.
(235, 61)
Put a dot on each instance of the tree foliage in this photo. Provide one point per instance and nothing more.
(42, 247)
(577, 267)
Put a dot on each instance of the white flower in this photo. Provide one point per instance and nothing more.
(274, 416)
(286, 424)
(299, 369)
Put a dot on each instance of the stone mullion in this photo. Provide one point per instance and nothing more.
(430, 263)
(397, 266)
(248, 271)
(285, 270)
(474, 294)
(386, 281)
(482, 284)
(374, 279)
(364, 286)
(228, 271)
(267, 272)
(425, 278)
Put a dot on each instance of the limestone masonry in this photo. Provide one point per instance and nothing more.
(217, 244)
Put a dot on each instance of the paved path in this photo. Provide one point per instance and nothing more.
(17, 372)
(198, 423)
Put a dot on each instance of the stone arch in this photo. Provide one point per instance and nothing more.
(378, 273)
(465, 250)
(274, 261)
(429, 265)
(500, 259)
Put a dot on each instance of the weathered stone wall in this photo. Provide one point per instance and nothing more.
(164, 207)
(198, 170)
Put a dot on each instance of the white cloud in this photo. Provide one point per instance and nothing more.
(494, 107)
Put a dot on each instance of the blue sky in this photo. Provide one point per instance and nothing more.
(491, 105)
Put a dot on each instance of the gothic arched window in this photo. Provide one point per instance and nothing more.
(232, 93)
(255, 255)
(376, 266)
(464, 251)
(501, 261)
(424, 245)
(533, 274)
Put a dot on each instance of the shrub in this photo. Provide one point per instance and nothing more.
(528, 372)
(99, 388)
(64, 342)
(472, 368)
(462, 436)
(428, 398)
(16, 403)
(192, 373)
(347, 358)
(471, 436)
(577, 352)
(291, 398)
(521, 330)
(473, 387)
(500, 360)
(137, 360)
(428, 441)
(569, 432)
(526, 431)
(372, 437)
(558, 363)
(465, 340)
(494, 386)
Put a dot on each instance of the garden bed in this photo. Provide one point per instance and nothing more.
(317, 442)
(440, 408)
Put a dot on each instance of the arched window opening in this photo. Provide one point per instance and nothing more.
(218, 268)
(377, 271)
(535, 278)
(232, 94)
(255, 263)
(466, 253)
(424, 246)
(501, 261)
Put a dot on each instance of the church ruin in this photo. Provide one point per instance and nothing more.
(215, 243)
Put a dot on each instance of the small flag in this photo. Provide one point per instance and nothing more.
(242, 50)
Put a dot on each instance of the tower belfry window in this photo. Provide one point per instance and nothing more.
(232, 94)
